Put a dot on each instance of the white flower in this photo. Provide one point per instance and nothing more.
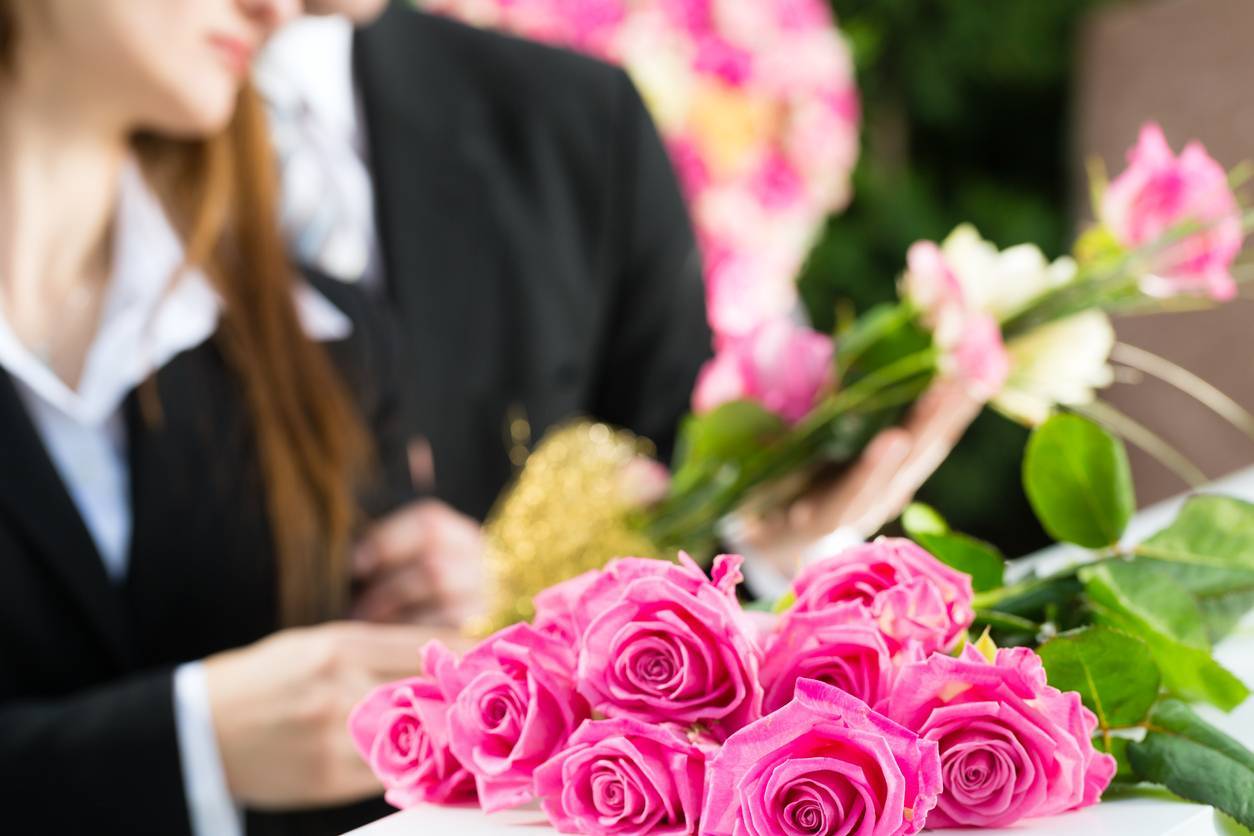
(1001, 282)
(1060, 363)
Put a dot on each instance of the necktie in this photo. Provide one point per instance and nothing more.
(326, 194)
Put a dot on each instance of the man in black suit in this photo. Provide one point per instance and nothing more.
(514, 206)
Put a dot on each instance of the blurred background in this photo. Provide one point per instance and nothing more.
(988, 113)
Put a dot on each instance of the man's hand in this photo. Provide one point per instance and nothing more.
(423, 564)
(876, 488)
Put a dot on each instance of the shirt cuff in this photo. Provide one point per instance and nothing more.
(209, 804)
(831, 544)
(762, 578)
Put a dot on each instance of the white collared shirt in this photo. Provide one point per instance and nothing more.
(145, 322)
(305, 74)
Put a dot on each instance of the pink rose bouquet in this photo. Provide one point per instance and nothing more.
(1011, 747)
(401, 729)
(909, 595)
(824, 763)
(624, 776)
(647, 700)
(512, 705)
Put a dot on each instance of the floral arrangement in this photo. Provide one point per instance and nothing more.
(757, 105)
(784, 404)
(645, 698)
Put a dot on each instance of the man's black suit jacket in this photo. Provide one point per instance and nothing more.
(536, 246)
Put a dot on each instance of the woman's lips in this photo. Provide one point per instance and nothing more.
(236, 52)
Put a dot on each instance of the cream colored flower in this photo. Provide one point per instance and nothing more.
(1001, 282)
(1061, 363)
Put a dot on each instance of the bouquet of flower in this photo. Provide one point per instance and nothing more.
(757, 105)
(644, 698)
(778, 405)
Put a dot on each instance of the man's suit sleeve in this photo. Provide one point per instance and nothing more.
(658, 337)
(105, 760)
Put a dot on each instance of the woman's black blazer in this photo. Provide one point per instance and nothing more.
(87, 733)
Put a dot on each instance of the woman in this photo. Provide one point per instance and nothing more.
(191, 438)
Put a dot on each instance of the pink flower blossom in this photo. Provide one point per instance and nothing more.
(1011, 747)
(745, 289)
(930, 283)
(824, 763)
(623, 776)
(979, 356)
(666, 645)
(785, 367)
(777, 184)
(1156, 194)
(835, 646)
(401, 730)
(513, 704)
(907, 593)
(970, 340)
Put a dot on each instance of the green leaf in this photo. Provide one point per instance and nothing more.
(1131, 597)
(726, 435)
(1196, 761)
(1208, 550)
(1077, 478)
(923, 519)
(1115, 674)
(1138, 587)
(978, 559)
(1223, 596)
(1215, 531)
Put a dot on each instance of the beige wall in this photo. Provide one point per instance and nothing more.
(1190, 65)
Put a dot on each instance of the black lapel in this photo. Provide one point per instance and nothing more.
(33, 496)
(432, 170)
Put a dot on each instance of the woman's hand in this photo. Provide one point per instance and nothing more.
(280, 709)
(875, 489)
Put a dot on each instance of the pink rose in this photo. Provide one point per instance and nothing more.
(930, 283)
(512, 704)
(623, 776)
(666, 645)
(1011, 747)
(970, 340)
(833, 646)
(824, 763)
(785, 367)
(979, 356)
(1157, 193)
(909, 595)
(401, 730)
(557, 608)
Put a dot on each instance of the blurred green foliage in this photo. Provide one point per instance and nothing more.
(966, 118)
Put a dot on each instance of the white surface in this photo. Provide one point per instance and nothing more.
(1144, 814)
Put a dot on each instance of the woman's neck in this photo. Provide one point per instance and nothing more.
(59, 176)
